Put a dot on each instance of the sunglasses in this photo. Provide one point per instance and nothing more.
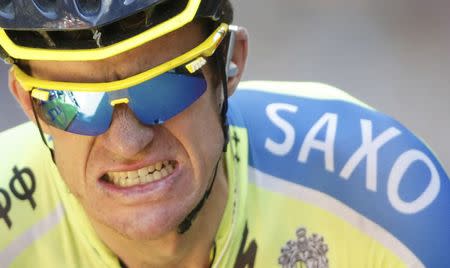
(154, 96)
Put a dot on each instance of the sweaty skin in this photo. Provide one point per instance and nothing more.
(139, 223)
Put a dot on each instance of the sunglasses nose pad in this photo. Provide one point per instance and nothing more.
(119, 101)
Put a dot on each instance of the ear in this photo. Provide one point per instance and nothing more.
(23, 98)
(239, 58)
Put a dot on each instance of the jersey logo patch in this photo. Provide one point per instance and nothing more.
(22, 186)
(309, 251)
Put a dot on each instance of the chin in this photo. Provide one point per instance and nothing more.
(144, 224)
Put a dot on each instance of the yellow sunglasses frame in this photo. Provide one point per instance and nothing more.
(194, 60)
(28, 53)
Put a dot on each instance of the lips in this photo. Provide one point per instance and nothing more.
(142, 176)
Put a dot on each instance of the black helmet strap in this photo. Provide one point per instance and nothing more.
(187, 222)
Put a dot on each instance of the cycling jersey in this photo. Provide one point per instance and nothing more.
(316, 178)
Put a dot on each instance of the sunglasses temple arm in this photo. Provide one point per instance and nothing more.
(230, 67)
(36, 117)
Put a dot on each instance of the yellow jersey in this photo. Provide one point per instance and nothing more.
(316, 179)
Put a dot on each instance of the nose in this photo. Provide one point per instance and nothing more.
(126, 137)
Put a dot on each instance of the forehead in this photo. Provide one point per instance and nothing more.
(123, 65)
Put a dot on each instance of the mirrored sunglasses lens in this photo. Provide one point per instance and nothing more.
(163, 97)
(84, 113)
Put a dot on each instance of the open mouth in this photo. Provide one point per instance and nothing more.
(141, 176)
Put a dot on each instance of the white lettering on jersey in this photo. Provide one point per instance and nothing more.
(329, 121)
(368, 149)
(284, 148)
(397, 174)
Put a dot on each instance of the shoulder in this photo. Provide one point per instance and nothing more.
(21, 150)
(29, 205)
(317, 144)
(310, 90)
(324, 128)
(21, 147)
(21, 136)
(256, 103)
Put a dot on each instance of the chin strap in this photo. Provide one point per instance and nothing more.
(221, 67)
(36, 117)
(187, 222)
(185, 225)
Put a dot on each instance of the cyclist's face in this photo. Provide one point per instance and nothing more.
(187, 146)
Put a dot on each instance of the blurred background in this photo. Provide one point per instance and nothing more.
(393, 55)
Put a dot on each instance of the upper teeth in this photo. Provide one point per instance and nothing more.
(141, 176)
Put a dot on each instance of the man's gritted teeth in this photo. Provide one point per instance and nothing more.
(141, 176)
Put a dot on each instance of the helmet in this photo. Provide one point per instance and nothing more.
(95, 29)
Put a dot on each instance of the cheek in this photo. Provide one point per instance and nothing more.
(198, 129)
(71, 152)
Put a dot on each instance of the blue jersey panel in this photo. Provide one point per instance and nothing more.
(359, 156)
